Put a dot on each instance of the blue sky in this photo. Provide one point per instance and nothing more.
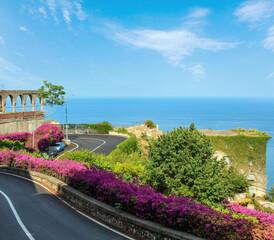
(121, 48)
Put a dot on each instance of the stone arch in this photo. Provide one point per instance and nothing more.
(8, 103)
(13, 95)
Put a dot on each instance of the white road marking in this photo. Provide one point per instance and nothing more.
(17, 217)
(101, 224)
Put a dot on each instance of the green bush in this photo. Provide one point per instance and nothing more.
(16, 145)
(128, 166)
(182, 161)
(150, 124)
(130, 145)
(102, 128)
(122, 130)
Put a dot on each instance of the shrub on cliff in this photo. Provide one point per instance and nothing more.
(182, 161)
(102, 128)
(150, 124)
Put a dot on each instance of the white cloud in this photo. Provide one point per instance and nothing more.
(66, 15)
(173, 44)
(24, 29)
(43, 12)
(199, 12)
(269, 41)
(81, 15)
(2, 42)
(68, 8)
(198, 71)
(255, 11)
(14, 77)
(52, 8)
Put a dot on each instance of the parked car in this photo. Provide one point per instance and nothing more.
(52, 151)
(60, 146)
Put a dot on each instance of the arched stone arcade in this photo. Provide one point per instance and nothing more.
(23, 95)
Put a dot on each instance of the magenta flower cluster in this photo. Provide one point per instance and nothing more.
(45, 135)
(51, 131)
(180, 213)
(20, 136)
(261, 216)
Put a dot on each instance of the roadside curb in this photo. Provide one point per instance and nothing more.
(125, 222)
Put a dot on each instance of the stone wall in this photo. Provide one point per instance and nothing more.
(21, 121)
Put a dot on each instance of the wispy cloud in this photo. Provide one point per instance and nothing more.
(2, 42)
(174, 44)
(81, 15)
(255, 11)
(67, 8)
(43, 12)
(24, 29)
(13, 76)
(66, 15)
(199, 12)
(269, 41)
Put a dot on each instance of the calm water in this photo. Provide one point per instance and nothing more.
(169, 113)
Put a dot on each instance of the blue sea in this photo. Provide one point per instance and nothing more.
(170, 113)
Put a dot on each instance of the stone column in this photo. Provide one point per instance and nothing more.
(42, 104)
(33, 100)
(24, 101)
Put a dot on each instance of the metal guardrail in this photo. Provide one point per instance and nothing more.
(78, 129)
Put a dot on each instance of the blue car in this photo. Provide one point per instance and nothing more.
(60, 146)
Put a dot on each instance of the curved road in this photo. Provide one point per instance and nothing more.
(28, 211)
(97, 143)
(44, 216)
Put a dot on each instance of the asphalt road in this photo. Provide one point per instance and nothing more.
(42, 216)
(97, 143)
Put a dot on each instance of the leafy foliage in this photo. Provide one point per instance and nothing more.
(122, 130)
(15, 145)
(53, 95)
(102, 128)
(128, 166)
(150, 124)
(130, 145)
(182, 162)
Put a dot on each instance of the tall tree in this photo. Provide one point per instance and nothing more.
(52, 94)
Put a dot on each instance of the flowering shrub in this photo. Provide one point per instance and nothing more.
(261, 216)
(180, 213)
(51, 132)
(20, 136)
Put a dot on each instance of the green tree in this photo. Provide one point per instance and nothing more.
(53, 95)
(182, 161)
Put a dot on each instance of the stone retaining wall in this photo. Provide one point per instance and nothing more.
(124, 222)
(20, 121)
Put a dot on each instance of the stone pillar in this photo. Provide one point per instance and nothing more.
(33, 100)
(24, 101)
(4, 100)
(42, 104)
